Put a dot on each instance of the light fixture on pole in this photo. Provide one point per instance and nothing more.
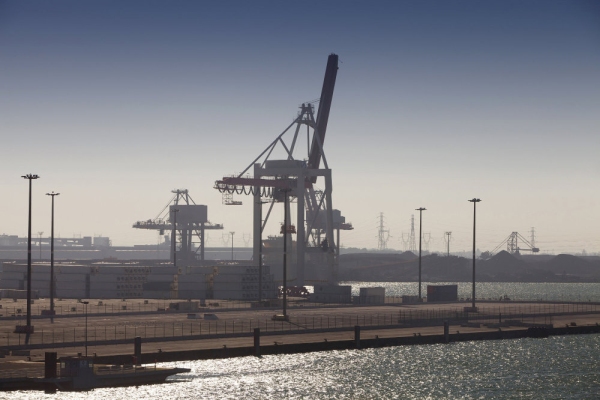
(474, 201)
(174, 233)
(260, 250)
(285, 234)
(40, 243)
(85, 304)
(260, 261)
(52, 258)
(284, 230)
(420, 210)
(448, 236)
(28, 327)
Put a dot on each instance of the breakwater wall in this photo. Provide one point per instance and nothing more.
(292, 348)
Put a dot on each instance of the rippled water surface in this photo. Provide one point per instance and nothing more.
(565, 367)
(494, 290)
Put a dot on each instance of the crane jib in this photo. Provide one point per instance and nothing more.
(314, 158)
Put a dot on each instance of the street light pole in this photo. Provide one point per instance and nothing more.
(232, 233)
(174, 239)
(29, 328)
(420, 210)
(52, 258)
(285, 233)
(474, 201)
(40, 243)
(260, 248)
(85, 304)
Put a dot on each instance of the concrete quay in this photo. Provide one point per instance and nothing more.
(385, 325)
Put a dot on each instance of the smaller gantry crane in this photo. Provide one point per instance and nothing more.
(186, 219)
(512, 244)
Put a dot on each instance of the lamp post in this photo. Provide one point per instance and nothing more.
(474, 201)
(420, 210)
(448, 235)
(40, 243)
(260, 245)
(52, 258)
(29, 328)
(174, 233)
(85, 304)
(232, 233)
(285, 233)
(260, 255)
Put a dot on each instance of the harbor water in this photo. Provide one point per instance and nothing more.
(546, 291)
(565, 367)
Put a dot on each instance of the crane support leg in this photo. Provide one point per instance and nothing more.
(329, 233)
(300, 232)
(257, 216)
(202, 238)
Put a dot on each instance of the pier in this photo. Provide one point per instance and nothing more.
(168, 335)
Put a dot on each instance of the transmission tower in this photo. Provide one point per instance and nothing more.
(412, 245)
(247, 239)
(225, 239)
(383, 235)
(405, 240)
(426, 240)
(447, 237)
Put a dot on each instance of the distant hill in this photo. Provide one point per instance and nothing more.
(565, 264)
(503, 267)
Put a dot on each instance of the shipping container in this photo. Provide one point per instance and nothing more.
(372, 295)
(69, 277)
(169, 270)
(75, 269)
(331, 294)
(12, 276)
(157, 286)
(161, 278)
(437, 293)
(12, 284)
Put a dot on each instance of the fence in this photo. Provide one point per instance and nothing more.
(198, 329)
(79, 309)
(107, 307)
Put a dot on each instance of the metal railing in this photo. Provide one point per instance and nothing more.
(199, 328)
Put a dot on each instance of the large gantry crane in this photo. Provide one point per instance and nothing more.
(512, 244)
(182, 216)
(295, 176)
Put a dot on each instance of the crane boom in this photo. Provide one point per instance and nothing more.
(314, 158)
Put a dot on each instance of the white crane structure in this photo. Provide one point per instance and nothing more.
(192, 222)
(294, 175)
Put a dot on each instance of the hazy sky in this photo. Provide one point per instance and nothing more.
(116, 103)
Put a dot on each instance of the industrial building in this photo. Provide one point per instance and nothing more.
(109, 280)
